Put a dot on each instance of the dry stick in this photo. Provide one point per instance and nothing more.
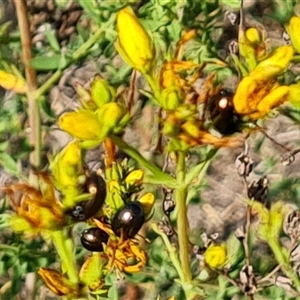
(267, 277)
(33, 110)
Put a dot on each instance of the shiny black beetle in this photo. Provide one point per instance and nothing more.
(222, 114)
(92, 239)
(128, 219)
(96, 186)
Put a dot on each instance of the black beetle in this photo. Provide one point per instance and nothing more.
(222, 114)
(84, 210)
(128, 219)
(92, 239)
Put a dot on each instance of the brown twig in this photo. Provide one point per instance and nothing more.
(30, 74)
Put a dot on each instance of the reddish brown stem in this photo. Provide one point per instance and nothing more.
(110, 150)
(30, 74)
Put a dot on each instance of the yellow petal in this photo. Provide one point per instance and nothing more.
(83, 125)
(67, 166)
(135, 177)
(273, 99)
(240, 100)
(147, 202)
(11, 82)
(293, 28)
(280, 59)
(294, 94)
(134, 43)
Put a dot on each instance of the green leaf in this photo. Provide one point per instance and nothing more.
(235, 251)
(8, 163)
(46, 108)
(232, 3)
(51, 37)
(90, 7)
(174, 30)
(200, 167)
(46, 63)
(3, 146)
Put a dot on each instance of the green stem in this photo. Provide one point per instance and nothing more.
(64, 247)
(48, 84)
(142, 161)
(82, 50)
(78, 54)
(171, 249)
(154, 86)
(283, 261)
(182, 221)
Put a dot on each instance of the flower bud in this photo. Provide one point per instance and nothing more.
(215, 256)
(101, 91)
(134, 43)
(84, 97)
(109, 116)
(147, 201)
(170, 98)
(135, 177)
(253, 36)
(192, 128)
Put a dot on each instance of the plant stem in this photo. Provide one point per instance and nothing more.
(283, 261)
(66, 254)
(33, 110)
(78, 54)
(182, 221)
(48, 84)
(154, 86)
(172, 251)
(142, 161)
(82, 50)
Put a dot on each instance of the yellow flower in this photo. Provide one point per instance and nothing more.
(11, 82)
(260, 91)
(215, 256)
(92, 127)
(293, 28)
(134, 43)
(83, 125)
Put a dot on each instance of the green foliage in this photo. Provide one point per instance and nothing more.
(188, 40)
